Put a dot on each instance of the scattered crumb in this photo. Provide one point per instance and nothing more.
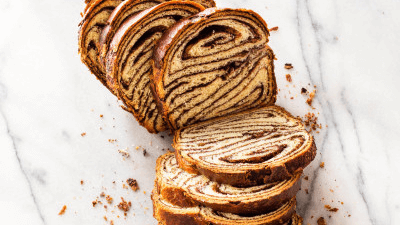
(311, 121)
(341, 203)
(291, 98)
(288, 78)
(288, 66)
(102, 194)
(105, 218)
(109, 199)
(137, 147)
(321, 221)
(82, 182)
(162, 136)
(322, 164)
(133, 184)
(111, 222)
(310, 99)
(330, 209)
(83, 134)
(62, 210)
(144, 152)
(124, 153)
(331, 190)
(303, 90)
(124, 206)
(112, 140)
(306, 190)
(306, 178)
(274, 29)
(94, 203)
(101, 115)
(144, 192)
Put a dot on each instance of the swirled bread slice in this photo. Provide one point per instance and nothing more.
(128, 61)
(169, 214)
(187, 190)
(213, 64)
(124, 11)
(253, 147)
(95, 19)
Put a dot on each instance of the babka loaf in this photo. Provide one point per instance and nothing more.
(254, 147)
(187, 190)
(126, 10)
(170, 214)
(213, 64)
(128, 61)
(95, 19)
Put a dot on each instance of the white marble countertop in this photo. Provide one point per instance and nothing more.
(349, 49)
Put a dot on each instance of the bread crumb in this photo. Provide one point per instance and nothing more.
(330, 209)
(124, 152)
(133, 184)
(94, 203)
(306, 178)
(288, 78)
(274, 28)
(321, 221)
(124, 205)
(111, 222)
(82, 182)
(322, 164)
(109, 199)
(101, 115)
(102, 194)
(288, 66)
(310, 99)
(62, 210)
(83, 134)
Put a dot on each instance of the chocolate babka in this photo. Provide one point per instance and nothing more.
(254, 147)
(95, 19)
(126, 10)
(213, 64)
(128, 61)
(169, 214)
(187, 190)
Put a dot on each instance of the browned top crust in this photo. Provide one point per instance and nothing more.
(253, 147)
(184, 189)
(128, 61)
(213, 64)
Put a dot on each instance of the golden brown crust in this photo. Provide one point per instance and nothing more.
(243, 177)
(176, 34)
(96, 15)
(187, 190)
(135, 92)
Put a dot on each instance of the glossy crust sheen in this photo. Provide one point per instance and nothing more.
(226, 83)
(169, 214)
(96, 15)
(187, 190)
(254, 147)
(128, 61)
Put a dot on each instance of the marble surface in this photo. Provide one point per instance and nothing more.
(349, 49)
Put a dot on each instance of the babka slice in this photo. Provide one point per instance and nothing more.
(187, 190)
(128, 61)
(254, 147)
(170, 214)
(126, 10)
(96, 15)
(213, 64)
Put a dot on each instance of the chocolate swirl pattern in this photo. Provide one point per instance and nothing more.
(170, 214)
(128, 61)
(95, 19)
(184, 189)
(254, 147)
(213, 64)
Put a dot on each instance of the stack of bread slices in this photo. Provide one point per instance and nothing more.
(206, 74)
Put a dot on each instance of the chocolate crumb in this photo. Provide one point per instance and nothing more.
(144, 152)
(288, 78)
(288, 66)
(62, 210)
(306, 190)
(303, 90)
(133, 184)
(274, 29)
(306, 178)
(162, 136)
(321, 221)
(94, 203)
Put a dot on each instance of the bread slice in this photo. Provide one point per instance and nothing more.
(170, 214)
(254, 147)
(124, 11)
(95, 19)
(187, 190)
(128, 61)
(213, 64)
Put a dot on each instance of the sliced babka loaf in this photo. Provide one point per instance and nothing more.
(169, 214)
(187, 190)
(126, 10)
(95, 19)
(128, 61)
(249, 148)
(213, 64)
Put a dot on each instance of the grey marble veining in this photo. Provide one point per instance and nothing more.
(349, 49)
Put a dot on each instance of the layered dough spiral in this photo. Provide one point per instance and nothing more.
(254, 147)
(213, 64)
(185, 189)
(128, 61)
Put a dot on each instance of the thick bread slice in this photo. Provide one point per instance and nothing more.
(187, 190)
(170, 214)
(213, 64)
(95, 19)
(254, 147)
(126, 10)
(129, 59)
